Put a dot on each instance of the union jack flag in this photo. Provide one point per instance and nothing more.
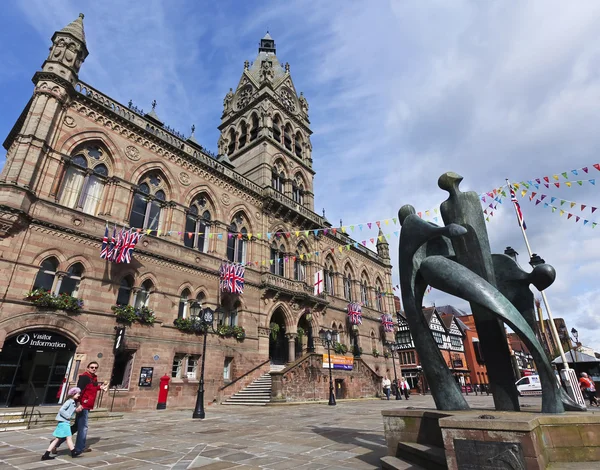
(355, 313)
(513, 198)
(236, 279)
(132, 238)
(117, 246)
(111, 245)
(105, 244)
(224, 276)
(387, 322)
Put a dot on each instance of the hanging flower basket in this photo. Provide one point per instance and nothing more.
(340, 348)
(236, 332)
(189, 325)
(127, 315)
(43, 298)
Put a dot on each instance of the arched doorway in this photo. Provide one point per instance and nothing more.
(304, 340)
(278, 345)
(33, 367)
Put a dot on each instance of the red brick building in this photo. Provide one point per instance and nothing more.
(78, 161)
(473, 355)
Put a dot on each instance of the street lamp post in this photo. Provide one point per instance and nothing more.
(205, 320)
(393, 347)
(327, 337)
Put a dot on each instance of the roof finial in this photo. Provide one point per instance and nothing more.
(193, 129)
(81, 15)
(323, 212)
(153, 104)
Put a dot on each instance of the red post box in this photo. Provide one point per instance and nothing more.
(163, 391)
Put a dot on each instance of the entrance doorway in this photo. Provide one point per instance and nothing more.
(33, 367)
(278, 345)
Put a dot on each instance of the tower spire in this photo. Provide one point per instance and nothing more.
(68, 51)
(267, 44)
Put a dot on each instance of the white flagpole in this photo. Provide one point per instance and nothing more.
(543, 292)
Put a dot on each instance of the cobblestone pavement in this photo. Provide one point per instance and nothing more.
(308, 436)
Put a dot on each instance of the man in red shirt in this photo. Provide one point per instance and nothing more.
(88, 383)
(588, 388)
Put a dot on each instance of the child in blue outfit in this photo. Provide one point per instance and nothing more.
(63, 428)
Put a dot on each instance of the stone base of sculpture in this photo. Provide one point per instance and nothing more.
(488, 439)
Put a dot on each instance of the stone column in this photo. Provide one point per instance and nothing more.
(291, 337)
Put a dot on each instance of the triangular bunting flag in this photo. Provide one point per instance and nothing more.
(583, 206)
(569, 215)
(597, 166)
(568, 183)
(565, 175)
(572, 205)
(557, 185)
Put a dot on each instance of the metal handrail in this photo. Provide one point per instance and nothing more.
(35, 398)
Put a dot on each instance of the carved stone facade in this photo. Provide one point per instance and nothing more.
(78, 160)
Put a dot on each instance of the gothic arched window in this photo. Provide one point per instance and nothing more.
(298, 145)
(253, 127)
(69, 284)
(231, 146)
(46, 275)
(348, 287)
(298, 190)
(364, 293)
(197, 225)
(243, 134)
(277, 128)
(329, 277)
(148, 200)
(84, 180)
(184, 304)
(379, 296)
(125, 288)
(277, 258)
(237, 240)
(277, 178)
(142, 297)
(287, 137)
(299, 266)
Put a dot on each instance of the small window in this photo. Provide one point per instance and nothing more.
(70, 283)
(438, 337)
(124, 294)
(192, 365)
(227, 368)
(177, 368)
(122, 368)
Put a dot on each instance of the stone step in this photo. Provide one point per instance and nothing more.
(394, 463)
(428, 456)
(237, 398)
(250, 393)
(44, 416)
(244, 403)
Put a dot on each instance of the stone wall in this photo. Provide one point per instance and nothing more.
(307, 380)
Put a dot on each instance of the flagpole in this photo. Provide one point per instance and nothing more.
(542, 292)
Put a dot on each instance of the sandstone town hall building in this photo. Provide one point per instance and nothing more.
(77, 160)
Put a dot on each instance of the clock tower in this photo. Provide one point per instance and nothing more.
(265, 131)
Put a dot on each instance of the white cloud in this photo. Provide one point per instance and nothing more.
(398, 95)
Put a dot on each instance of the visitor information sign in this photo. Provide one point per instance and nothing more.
(338, 362)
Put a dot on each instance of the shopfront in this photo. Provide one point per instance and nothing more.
(34, 365)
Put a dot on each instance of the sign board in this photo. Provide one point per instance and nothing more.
(44, 340)
(338, 362)
(146, 376)
(457, 363)
(119, 339)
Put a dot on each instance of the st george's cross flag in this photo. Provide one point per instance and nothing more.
(319, 282)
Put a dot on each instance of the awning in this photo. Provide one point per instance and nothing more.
(575, 357)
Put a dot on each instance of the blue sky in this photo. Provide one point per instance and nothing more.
(399, 93)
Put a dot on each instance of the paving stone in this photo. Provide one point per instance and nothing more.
(307, 437)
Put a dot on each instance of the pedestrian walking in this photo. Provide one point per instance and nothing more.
(386, 384)
(63, 428)
(89, 385)
(405, 387)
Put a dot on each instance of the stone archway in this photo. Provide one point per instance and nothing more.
(305, 339)
(278, 344)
